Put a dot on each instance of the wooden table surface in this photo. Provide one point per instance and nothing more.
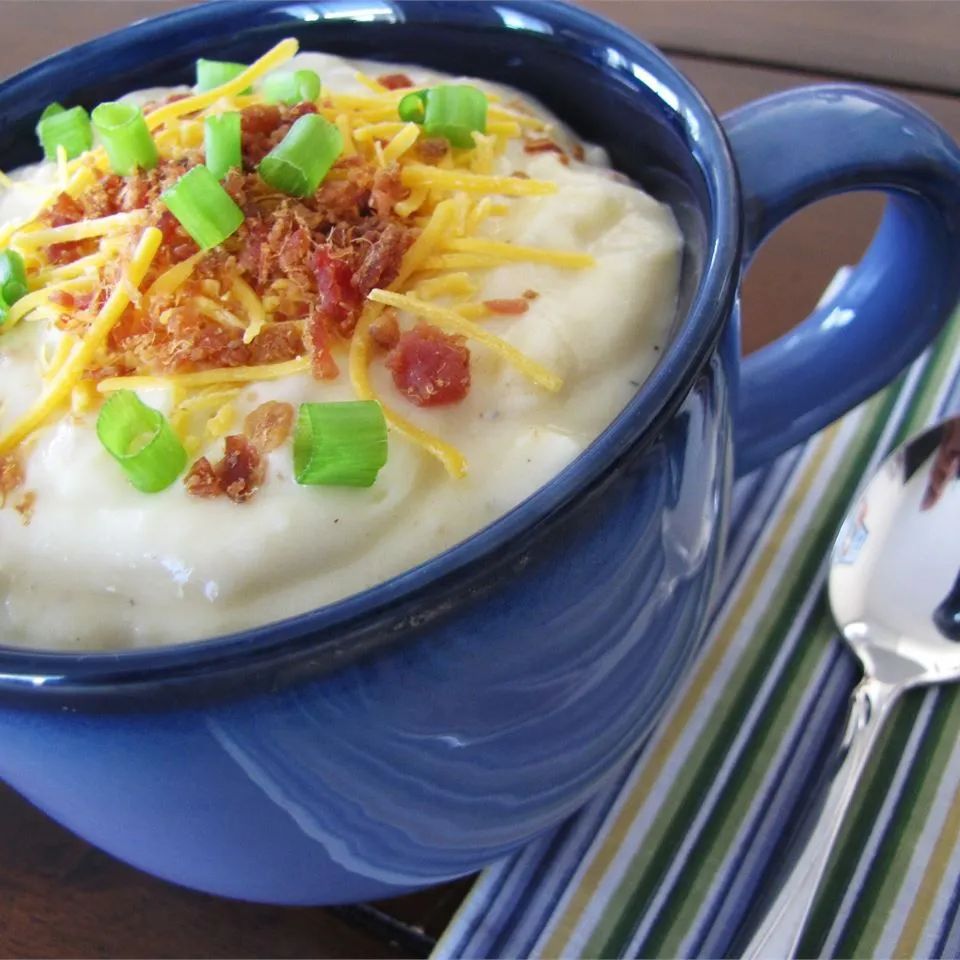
(62, 898)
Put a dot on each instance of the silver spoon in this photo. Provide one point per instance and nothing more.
(895, 593)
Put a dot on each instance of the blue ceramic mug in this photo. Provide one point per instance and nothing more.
(417, 731)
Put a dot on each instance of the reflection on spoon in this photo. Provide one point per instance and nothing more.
(895, 593)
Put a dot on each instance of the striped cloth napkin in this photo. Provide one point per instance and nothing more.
(669, 862)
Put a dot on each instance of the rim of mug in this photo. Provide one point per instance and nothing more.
(34, 670)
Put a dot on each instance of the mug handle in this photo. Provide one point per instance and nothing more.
(803, 145)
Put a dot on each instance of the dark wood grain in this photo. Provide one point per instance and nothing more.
(62, 898)
(910, 43)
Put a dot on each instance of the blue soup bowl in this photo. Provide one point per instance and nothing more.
(417, 731)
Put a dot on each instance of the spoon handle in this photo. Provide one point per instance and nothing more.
(779, 933)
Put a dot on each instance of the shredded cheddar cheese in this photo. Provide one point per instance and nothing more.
(370, 83)
(82, 230)
(272, 59)
(343, 125)
(251, 303)
(172, 279)
(83, 397)
(39, 298)
(220, 424)
(414, 175)
(482, 210)
(431, 237)
(448, 284)
(402, 141)
(206, 378)
(509, 252)
(378, 131)
(62, 383)
(413, 203)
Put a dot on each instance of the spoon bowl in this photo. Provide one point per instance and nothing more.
(895, 564)
(894, 590)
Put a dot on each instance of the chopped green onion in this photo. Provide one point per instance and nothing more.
(339, 444)
(291, 88)
(125, 136)
(215, 73)
(300, 161)
(13, 277)
(142, 441)
(69, 129)
(205, 210)
(413, 106)
(222, 143)
(452, 111)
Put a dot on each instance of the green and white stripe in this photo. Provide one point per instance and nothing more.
(669, 864)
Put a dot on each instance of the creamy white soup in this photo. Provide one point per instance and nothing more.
(585, 300)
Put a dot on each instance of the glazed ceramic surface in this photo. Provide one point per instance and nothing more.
(418, 731)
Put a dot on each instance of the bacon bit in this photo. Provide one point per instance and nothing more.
(11, 475)
(546, 145)
(201, 481)
(322, 364)
(137, 192)
(241, 470)
(25, 507)
(293, 251)
(103, 198)
(387, 190)
(520, 175)
(338, 300)
(238, 475)
(430, 367)
(263, 126)
(530, 294)
(277, 342)
(345, 194)
(578, 152)
(65, 210)
(63, 298)
(385, 330)
(508, 307)
(269, 425)
(543, 145)
(178, 245)
(257, 123)
(300, 110)
(109, 370)
(432, 149)
(381, 263)
(395, 81)
(61, 253)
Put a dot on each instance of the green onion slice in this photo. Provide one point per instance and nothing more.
(339, 444)
(291, 88)
(300, 161)
(206, 211)
(452, 111)
(67, 128)
(215, 73)
(413, 106)
(125, 136)
(142, 441)
(222, 143)
(13, 277)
